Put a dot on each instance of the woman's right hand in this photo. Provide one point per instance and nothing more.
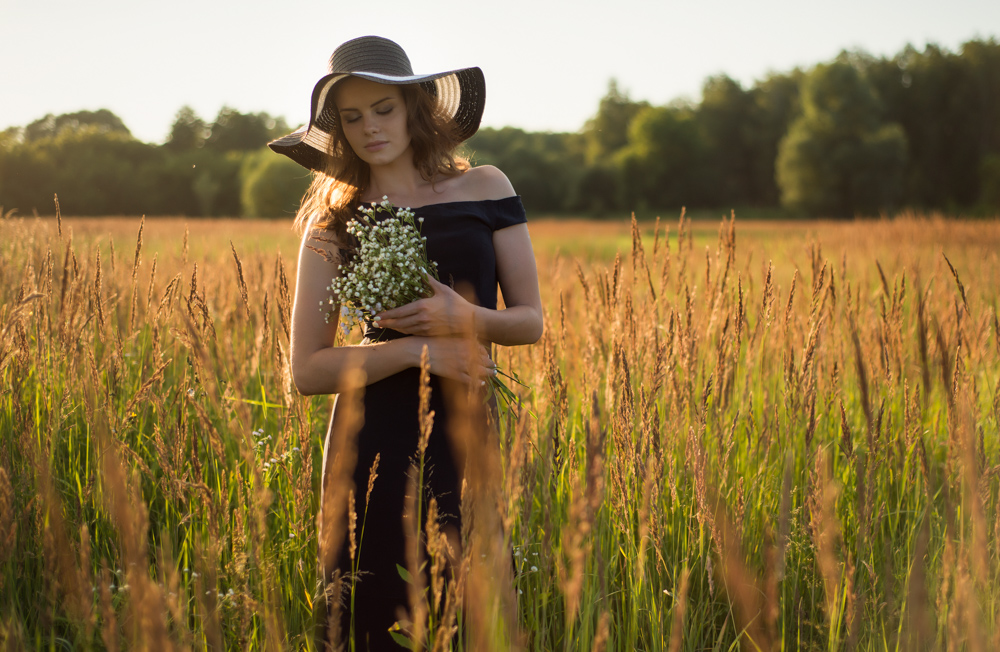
(455, 357)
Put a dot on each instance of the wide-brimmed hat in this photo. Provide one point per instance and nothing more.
(460, 95)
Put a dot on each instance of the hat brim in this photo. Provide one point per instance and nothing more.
(460, 95)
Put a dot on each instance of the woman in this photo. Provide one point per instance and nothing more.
(377, 130)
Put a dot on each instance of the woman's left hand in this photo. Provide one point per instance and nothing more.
(442, 314)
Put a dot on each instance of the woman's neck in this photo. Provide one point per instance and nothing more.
(398, 181)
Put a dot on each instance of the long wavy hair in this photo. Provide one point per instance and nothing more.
(334, 194)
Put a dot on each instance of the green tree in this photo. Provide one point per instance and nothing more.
(665, 165)
(188, 132)
(607, 132)
(840, 156)
(50, 126)
(776, 105)
(989, 197)
(272, 185)
(235, 131)
(95, 172)
(727, 119)
(541, 166)
(949, 106)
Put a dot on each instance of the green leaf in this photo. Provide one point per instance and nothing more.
(400, 639)
(405, 574)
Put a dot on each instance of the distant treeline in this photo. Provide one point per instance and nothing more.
(857, 135)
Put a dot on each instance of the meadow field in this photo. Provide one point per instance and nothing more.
(733, 436)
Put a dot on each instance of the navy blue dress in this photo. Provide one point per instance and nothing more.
(460, 239)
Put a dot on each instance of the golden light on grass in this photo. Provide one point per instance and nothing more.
(773, 435)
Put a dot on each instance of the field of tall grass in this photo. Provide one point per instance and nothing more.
(760, 436)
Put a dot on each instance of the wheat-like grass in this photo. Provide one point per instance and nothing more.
(694, 465)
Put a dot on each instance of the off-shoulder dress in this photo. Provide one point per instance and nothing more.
(460, 239)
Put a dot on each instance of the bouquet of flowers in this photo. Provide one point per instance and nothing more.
(389, 269)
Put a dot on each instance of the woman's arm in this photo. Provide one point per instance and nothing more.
(520, 322)
(319, 367)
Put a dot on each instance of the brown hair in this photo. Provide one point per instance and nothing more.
(333, 197)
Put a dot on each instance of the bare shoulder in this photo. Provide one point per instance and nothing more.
(486, 182)
(319, 246)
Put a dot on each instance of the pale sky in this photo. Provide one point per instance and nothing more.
(547, 62)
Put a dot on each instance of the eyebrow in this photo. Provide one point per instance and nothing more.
(373, 104)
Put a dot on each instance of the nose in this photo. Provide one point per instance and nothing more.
(370, 125)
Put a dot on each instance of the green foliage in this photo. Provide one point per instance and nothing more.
(235, 131)
(663, 166)
(989, 199)
(272, 186)
(97, 168)
(94, 170)
(102, 121)
(188, 131)
(840, 157)
(857, 135)
(607, 132)
(543, 167)
(727, 120)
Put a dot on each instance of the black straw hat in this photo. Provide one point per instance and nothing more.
(460, 95)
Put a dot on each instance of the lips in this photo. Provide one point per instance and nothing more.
(375, 146)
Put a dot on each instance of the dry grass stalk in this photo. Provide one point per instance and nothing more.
(109, 620)
(602, 633)
(240, 281)
(679, 609)
(352, 525)
(284, 297)
(135, 271)
(960, 349)
(743, 588)
(146, 607)
(447, 629)
(425, 414)
(826, 536)
(98, 297)
(958, 282)
(416, 621)
(437, 550)
(339, 458)
(881, 275)
(489, 595)
(918, 634)
(791, 299)
(61, 566)
(8, 525)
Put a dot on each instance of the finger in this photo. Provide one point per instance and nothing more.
(400, 311)
(437, 285)
(410, 322)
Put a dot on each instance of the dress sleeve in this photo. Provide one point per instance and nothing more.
(508, 212)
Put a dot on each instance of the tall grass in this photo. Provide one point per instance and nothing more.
(786, 443)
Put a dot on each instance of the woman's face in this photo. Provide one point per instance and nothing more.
(373, 119)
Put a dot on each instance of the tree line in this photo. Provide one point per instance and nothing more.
(204, 169)
(856, 135)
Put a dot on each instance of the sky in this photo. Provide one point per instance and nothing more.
(547, 62)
